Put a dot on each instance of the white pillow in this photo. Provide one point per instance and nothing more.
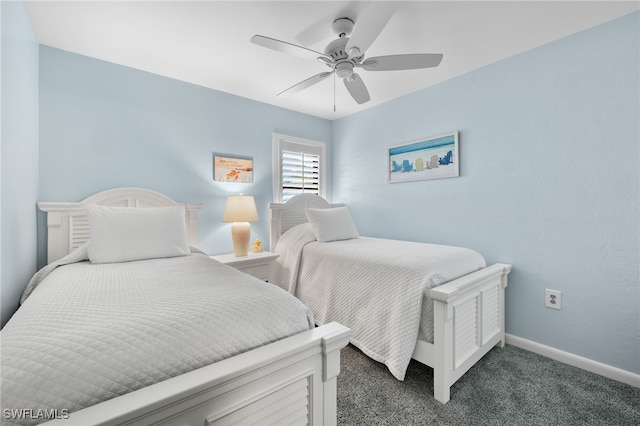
(332, 224)
(122, 234)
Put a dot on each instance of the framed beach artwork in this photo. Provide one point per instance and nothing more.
(236, 169)
(434, 157)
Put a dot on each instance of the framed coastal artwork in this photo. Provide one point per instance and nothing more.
(435, 157)
(227, 168)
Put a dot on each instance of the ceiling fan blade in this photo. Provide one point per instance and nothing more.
(356, 88)
(284, 47)
(305, 84)
(369, 24)
(402, 62)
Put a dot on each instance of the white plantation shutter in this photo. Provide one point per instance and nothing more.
(300, 174)
(298, 166)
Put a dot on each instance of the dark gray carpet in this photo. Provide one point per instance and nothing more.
(509, 386)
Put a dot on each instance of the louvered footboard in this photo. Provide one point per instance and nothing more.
(290, 381)
(468, 322)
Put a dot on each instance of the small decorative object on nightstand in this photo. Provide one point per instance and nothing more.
(257, 246)
(256, 264)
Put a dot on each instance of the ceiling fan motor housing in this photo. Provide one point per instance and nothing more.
(336, 49)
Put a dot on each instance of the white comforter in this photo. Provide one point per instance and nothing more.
(87, 333)
(376, 287)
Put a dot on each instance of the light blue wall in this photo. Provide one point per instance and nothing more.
(549, 169)
(19, 154)
(549, 144)
(104, 125)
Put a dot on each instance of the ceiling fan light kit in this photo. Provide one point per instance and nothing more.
(347, 52)
(344, 69)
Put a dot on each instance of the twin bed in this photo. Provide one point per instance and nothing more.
(439, 305)
(158, 333)
(153, 331)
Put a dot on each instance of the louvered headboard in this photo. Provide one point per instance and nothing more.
(284, 216)
(68, 225)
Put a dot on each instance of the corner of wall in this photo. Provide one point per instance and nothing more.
(20, 154)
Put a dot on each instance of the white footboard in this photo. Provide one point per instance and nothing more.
(291, 381)
(468, 322)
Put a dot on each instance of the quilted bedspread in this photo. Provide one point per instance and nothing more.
(376, 287)
(87, 332)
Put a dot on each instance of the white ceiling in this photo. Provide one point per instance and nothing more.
(207, 42)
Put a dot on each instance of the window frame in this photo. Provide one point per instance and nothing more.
(283, 142)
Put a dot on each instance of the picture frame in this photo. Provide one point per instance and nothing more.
(434, 157)
(232, 168)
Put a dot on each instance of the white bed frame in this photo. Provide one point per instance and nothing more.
(292, 380)
(468, 311)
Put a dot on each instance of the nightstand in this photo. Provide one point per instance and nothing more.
(256, 264)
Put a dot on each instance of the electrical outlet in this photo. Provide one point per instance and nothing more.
(553, 299)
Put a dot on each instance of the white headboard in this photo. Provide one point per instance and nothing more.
(284, 216)
(68, 225)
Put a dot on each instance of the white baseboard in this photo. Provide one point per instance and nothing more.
(575, 360)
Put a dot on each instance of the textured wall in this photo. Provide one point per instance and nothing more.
(549, 169)
(19, 153)
(105, 125)
(549, 144)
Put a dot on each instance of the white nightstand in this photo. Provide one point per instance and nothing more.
(256, 264)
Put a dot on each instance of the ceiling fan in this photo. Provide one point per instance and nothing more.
(346, 53)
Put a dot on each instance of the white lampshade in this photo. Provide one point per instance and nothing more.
(240, 209)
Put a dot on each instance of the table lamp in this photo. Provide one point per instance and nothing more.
(240, 209)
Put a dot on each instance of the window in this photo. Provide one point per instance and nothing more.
(298, 167)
